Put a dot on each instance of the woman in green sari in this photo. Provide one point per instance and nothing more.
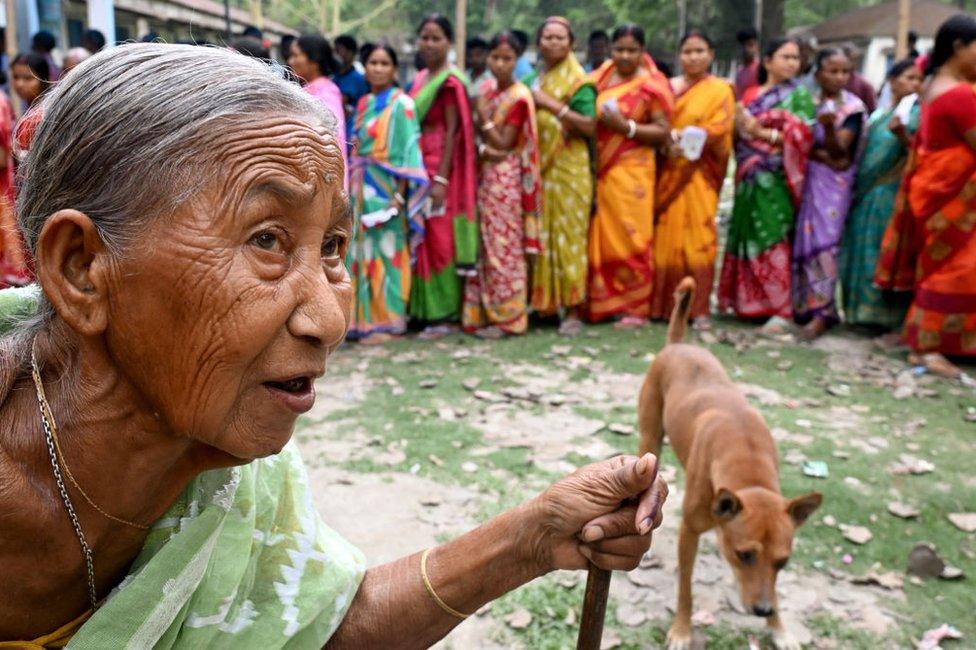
(771, 159)
(877, 184)
(565, 103)
(150, 384)
(388, 185)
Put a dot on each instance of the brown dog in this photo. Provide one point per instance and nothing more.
(731, 474)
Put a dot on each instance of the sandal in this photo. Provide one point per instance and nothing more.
(571, 327)
(436, 332)
(630, 323)
(490, 333)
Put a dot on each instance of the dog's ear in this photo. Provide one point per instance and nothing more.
(802, 507)
(726, 505)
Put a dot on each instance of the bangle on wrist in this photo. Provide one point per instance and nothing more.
(399, 198)
(773, 136)
(440, 180)
(430, 588)
(563, 112)
(487, 126)
(631, 129)
(482, 148)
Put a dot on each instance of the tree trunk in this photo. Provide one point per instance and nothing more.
(773, 22)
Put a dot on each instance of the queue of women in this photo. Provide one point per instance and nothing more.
(584, 196)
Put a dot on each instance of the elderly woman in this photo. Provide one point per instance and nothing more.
(150, 385)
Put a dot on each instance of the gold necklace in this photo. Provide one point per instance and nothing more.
(47, 415)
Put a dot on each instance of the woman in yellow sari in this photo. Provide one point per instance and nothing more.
(565, 109)
(685, 241)
(634, 107)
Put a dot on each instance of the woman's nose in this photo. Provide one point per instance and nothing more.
(321, 317)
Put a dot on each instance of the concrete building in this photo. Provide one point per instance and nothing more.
(874, 29)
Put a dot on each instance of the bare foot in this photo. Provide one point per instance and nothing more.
(812, 330)
(936, 364)
(889, 341)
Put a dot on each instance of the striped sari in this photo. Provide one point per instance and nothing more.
(685, 239)
(379, 255)
(878, 178)
(509, 200)
(622, 231)
(755, 278)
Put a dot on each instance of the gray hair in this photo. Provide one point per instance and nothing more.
(124, 136)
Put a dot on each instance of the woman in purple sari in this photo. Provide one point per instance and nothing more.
(826, 195)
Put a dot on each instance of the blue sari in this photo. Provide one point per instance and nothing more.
(878, 178)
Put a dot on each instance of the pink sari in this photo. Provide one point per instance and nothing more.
(329, 96)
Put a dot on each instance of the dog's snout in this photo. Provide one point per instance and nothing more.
(762, 609)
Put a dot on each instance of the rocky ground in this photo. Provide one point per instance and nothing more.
(414, 443)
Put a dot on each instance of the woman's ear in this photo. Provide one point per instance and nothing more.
(72, 268)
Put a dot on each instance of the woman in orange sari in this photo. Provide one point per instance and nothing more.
(685, 240)
(930, 245)
(633, 111)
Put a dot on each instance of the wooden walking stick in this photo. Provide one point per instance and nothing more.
(594, 608)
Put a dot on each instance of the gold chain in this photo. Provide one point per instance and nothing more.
(54, 434)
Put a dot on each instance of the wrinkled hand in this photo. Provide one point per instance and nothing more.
(603, 513)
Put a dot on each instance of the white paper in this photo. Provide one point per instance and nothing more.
(904, 109)
(373, 219)
(692, 142)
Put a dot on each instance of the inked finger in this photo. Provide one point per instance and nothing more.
(651, 505)
(613, 524)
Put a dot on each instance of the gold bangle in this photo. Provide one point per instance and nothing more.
(430, 588)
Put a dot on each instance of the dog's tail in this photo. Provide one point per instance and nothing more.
(683, 296)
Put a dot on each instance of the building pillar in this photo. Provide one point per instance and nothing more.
(101, 16)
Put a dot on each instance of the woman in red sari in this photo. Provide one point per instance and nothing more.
(509, 199)
(634, 105)
(450, 244)
(930, 245)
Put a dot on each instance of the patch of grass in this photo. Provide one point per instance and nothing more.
(944, 438)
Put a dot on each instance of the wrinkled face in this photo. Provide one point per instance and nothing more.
(225, 314)
(27, 86)
(627, 53)
(380, 70)
(757, 542)
(907, 83)
(696, 56)
(433, 44)
(555, 42)
(834, 73)
(502, 61)
(784, 63)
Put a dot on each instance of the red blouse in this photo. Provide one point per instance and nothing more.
(948, 117)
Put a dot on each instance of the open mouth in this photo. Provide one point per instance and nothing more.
(296, 394)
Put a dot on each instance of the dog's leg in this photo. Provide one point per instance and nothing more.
(649, 419)
(679, 636)
(782, 639)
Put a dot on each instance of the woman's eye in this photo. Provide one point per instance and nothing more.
(332, 247)
(266, 240)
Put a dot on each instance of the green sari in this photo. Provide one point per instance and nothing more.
(242, 559)
(878, 179)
